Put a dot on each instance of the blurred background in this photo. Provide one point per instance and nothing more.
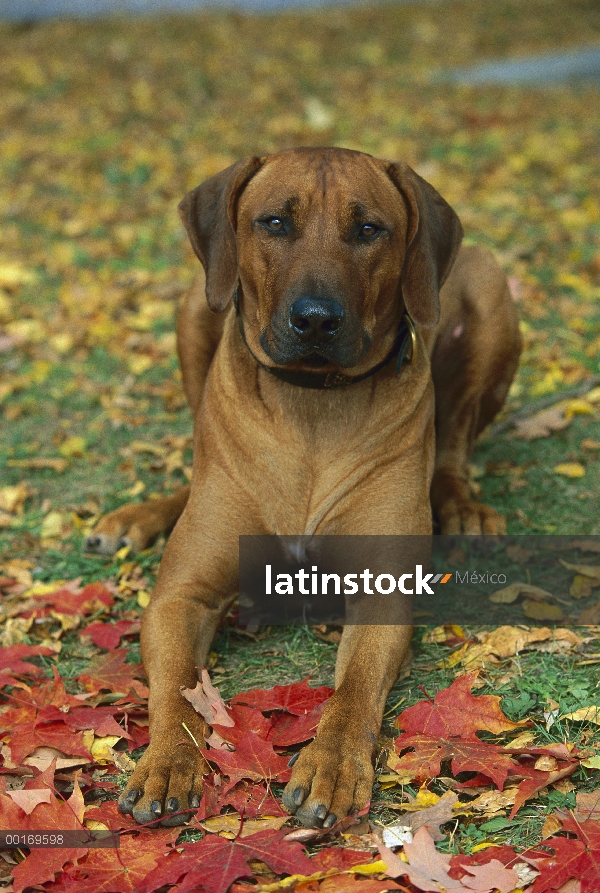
(107, 120)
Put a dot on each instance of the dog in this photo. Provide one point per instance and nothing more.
(340, 354)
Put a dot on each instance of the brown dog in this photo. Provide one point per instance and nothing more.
(308, 422)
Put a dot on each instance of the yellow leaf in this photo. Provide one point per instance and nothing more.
(586, 570)
(72, 446)
(570, 469)
(143, 598)
(584, 714)
(101, 748)
(579, 407)
(536, 610)
(592, 763)
(137, 488)
(13, 275)
(229, 825)
(513, 591)
(92, 824)
(139, 363)
(582, 586)
(29, 331)
(62, 342)
(67, 621)
(52, 525)
(12, 499)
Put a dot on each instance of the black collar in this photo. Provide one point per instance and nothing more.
(403, 350)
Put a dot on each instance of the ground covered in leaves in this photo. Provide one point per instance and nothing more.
(107, 124)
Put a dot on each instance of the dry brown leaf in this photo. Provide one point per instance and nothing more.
(543, 423)
(550, 826)
(514, 591)
(432, 816)
(586, 545)
(507, 641)
(58, 465)
(586, 570)
(582, 587)
(587, 806)
(490, 803)
(591, 615)
(12, 499)
(230, 825)
(539, 610)
(584, 714)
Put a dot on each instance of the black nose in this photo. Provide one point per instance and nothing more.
(316, 319)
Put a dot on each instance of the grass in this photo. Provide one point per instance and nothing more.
(112, 121)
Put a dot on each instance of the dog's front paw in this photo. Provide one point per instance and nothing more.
(167, 783)
(467, 516)
(332, 777)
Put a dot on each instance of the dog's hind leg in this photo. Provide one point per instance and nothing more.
(473, 363)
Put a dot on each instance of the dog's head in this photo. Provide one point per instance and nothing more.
(329, 247)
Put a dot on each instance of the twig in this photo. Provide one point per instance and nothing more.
(577, 391)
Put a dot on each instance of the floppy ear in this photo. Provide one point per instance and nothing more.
(433, 239)
(208, 214)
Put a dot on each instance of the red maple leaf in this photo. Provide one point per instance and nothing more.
(536, 779)
(215, 863)
(351, 883)
(289, 729)
(572, 859)
(340, 858)
(11, 662)
(109, 635)
(69, 599)
(25, 737)
(253, 758)
(252, 800)
(109, 671)
(245, 719)
(124, 869)
(43, 865)
(429, 752)
(298, 698)
(455, 712)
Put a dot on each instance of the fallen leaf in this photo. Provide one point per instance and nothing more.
(253, 758)
(584, 714)
(29, 799)
(540, 610)
(543, 423)
(511, 593)
(570, 469)
(206, 700)
(431, 817)
(454, 711)
(219, 862)
(427, 869)
(298, 698)
(586, 570)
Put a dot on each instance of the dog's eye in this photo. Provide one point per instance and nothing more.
(275, 224)
(368, 230)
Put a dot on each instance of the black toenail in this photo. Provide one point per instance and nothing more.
(195, 801)
(156, 807)
(298, 796)
(133, 796)
(293, 758)
(330, 820)
(122, 542)
(173, 805)
(321, 812)
(92, 542)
